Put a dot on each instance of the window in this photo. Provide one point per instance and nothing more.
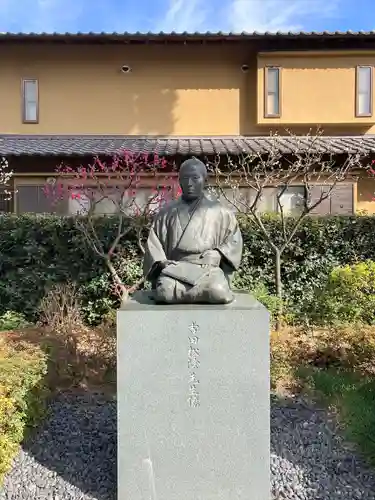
(234, 199)
(341, 200)
(30, 105)
(291, 200)
(272, 92)
(78, 203)
(267, 200)
(364, 91)
(32, 199)
(107, 203)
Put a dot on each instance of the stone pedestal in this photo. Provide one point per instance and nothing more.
(193, 401)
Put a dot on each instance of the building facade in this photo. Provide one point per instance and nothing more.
(67, 97)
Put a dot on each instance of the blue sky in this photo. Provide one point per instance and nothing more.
(186, 15)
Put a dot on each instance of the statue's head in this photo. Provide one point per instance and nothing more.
(192, 177)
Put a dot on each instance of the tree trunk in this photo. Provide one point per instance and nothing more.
(123, 291)
(124, 298)
(279, 290)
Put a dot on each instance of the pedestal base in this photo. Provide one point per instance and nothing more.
(193, 401)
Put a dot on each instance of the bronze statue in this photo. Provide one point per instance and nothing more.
(194, 245)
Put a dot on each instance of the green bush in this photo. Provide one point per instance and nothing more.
(22, 396)
(349, 295)
(320, 244)
(12, 320)
(271, 302)
(39, 251)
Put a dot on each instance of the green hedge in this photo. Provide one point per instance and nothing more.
(320, 245)
(22, 396)
(38, 251)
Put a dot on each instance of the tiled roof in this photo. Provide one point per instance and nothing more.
(88, 145)
(252, 34)
(181, 36)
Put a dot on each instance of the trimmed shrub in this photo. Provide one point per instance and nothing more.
(321, 244)
(11, 320)
(43, 250)
(349, 295)
(39, 251)
(271, 302)
(22, 396)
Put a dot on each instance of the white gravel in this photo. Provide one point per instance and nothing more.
(73, 456)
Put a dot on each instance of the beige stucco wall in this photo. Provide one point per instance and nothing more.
(180, 90)
(176, 90)
(316, 89)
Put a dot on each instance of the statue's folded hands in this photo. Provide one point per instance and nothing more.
(186, 272)
(163, 264)
(211, 258)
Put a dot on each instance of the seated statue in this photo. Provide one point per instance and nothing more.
(194, 245)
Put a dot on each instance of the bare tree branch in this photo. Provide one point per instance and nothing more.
(304, 161)
(116, 185)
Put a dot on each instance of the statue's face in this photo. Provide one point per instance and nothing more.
(192, 182)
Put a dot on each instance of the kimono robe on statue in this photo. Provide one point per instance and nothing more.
(181, 235)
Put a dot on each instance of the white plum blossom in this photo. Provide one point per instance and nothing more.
(5, 176)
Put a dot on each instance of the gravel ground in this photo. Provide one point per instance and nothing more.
(73, 456)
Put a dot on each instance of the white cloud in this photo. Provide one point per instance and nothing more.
(184, 15)
(277, 15)
(245, 15)
(178, 15)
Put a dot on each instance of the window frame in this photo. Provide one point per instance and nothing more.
(145, 190)
(266, 92)
(39, 181)
(24, 83)
(291, 187)
(357, 93)
(272, 195)
(39, 188)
